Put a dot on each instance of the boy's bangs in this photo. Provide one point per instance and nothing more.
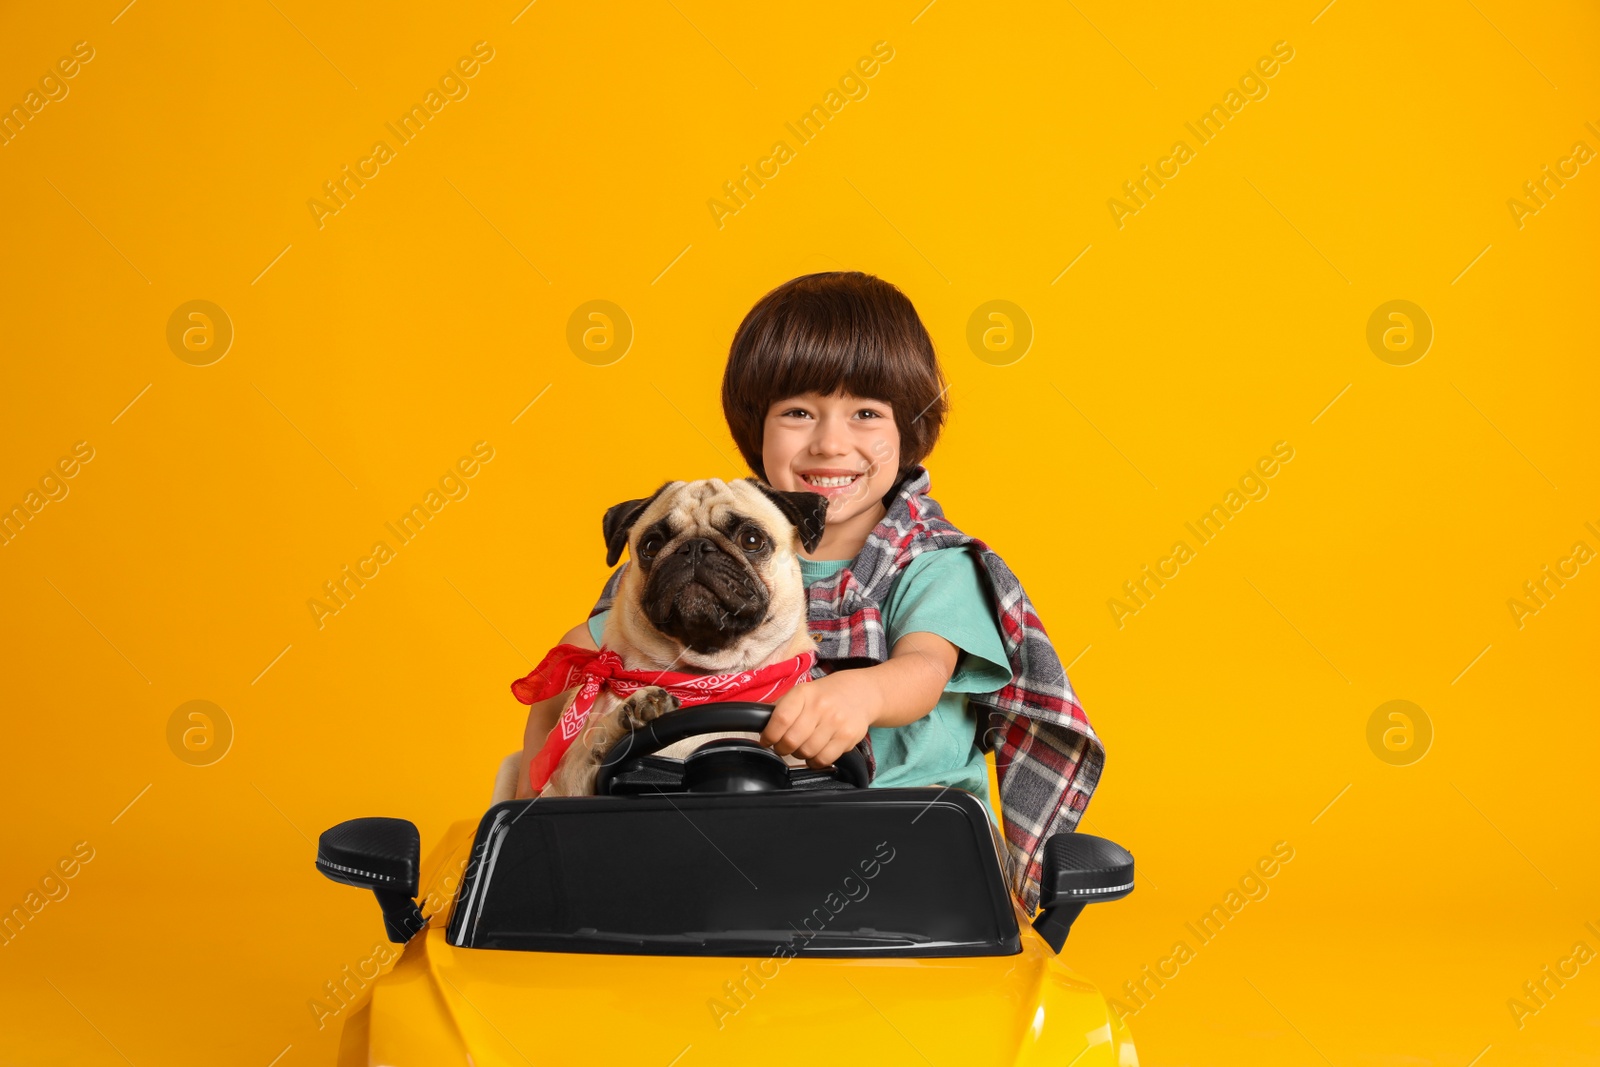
(828, 362)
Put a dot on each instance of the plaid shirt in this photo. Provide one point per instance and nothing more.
(1047, 755)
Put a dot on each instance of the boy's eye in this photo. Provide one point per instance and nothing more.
(798, 413)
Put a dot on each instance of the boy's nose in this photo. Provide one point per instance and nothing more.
(830, 439)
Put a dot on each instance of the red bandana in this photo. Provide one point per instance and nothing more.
(566, 666)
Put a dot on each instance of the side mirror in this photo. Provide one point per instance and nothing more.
(1078, 869)
(381, 855)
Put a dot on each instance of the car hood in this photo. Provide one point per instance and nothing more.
(517, 1008)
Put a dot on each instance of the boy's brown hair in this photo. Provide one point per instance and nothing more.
(831, 332)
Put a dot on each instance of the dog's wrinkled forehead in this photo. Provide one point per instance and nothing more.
(712, 504)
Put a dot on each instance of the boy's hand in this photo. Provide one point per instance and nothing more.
(821, 720)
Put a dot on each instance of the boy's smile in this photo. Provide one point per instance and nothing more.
(845, 447)
(830, 481)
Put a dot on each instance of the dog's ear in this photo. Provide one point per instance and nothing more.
(619, 520)
(808, 511)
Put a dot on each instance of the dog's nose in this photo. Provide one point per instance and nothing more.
(696, 547)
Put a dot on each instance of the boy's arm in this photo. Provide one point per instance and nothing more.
(820, 720)
(542, 715)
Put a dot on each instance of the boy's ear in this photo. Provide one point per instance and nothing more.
(619, 520)
(808, 511)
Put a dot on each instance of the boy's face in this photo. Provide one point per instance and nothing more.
(845, 447)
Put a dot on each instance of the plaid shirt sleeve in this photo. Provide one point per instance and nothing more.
(1048, 757)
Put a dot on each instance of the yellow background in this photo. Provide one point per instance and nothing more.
(426, 315)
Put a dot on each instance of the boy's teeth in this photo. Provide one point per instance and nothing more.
(830, 483)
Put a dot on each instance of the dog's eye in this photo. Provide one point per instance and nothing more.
(751, 539)
(650, 546)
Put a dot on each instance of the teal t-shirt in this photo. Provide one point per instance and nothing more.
(940, 592)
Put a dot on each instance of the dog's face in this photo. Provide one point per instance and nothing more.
(715, 582)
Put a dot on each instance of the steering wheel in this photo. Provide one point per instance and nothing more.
(723, 765)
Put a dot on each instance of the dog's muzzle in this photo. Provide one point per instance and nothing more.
(703, 597)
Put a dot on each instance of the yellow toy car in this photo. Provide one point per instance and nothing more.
(725, 908)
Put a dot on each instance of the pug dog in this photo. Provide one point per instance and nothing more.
(715, 587)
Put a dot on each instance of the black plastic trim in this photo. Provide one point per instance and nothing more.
(1078, 869)
(382, 855)
(463, 930)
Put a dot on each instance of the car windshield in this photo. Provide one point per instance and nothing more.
(881, 872)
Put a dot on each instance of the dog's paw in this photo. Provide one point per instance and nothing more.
(646, 706)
